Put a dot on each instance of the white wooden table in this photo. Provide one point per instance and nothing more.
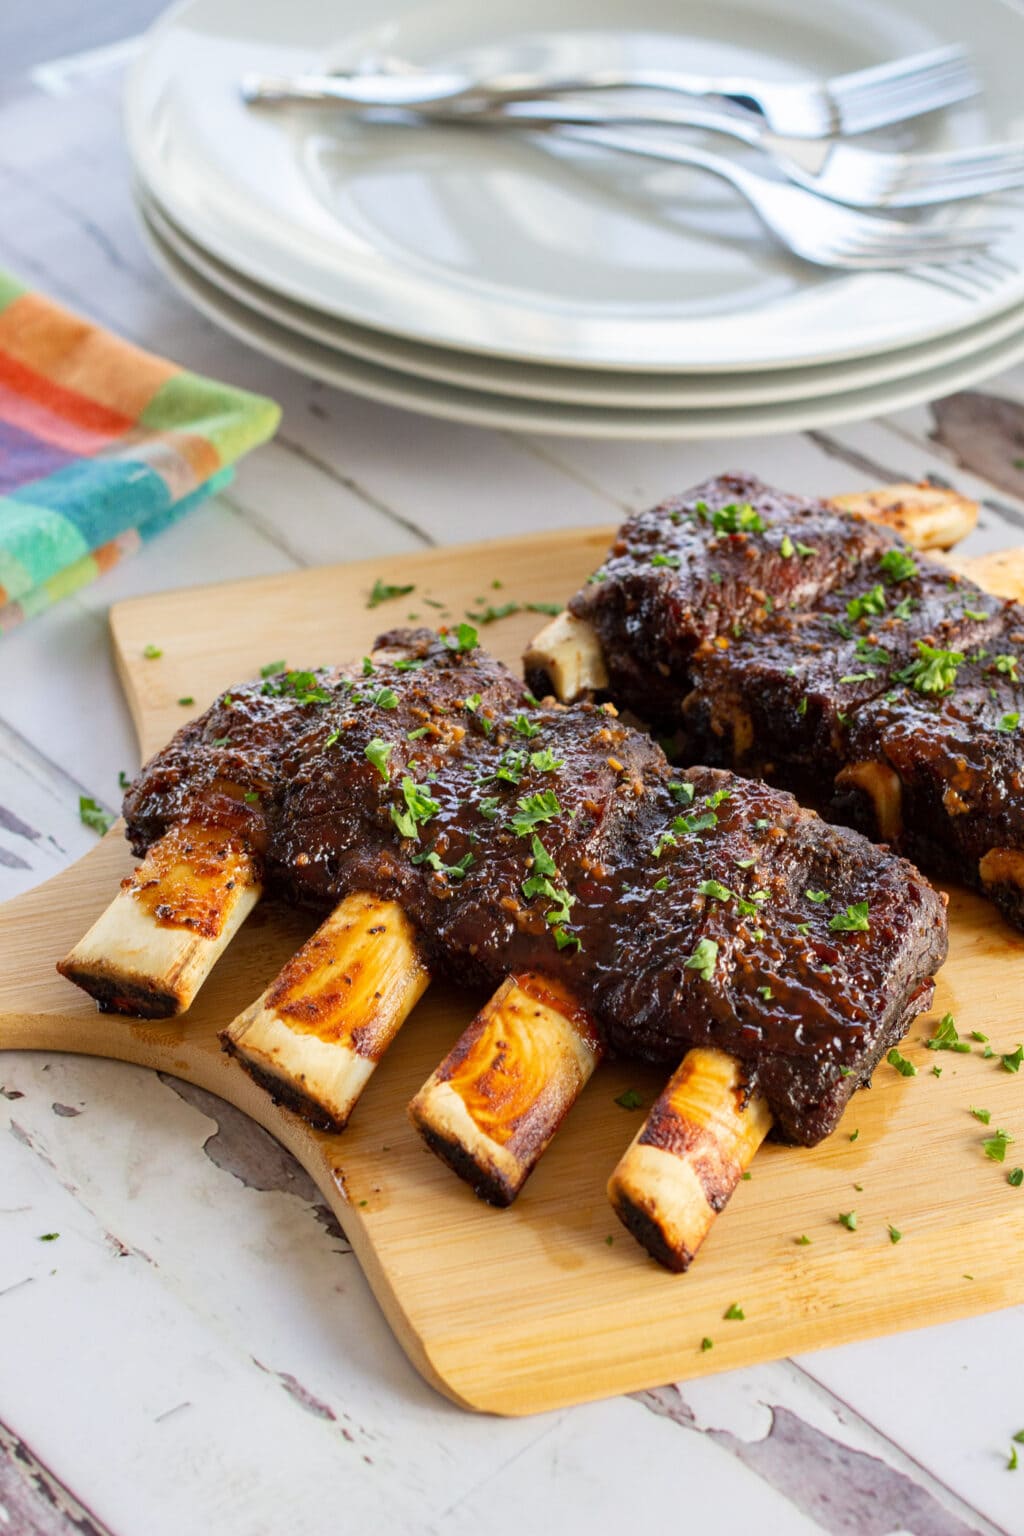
(197, 1350)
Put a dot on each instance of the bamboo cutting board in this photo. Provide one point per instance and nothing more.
(550, 1302)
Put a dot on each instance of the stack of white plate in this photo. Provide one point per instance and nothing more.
(553, 287)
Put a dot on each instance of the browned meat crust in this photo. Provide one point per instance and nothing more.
(522, 837)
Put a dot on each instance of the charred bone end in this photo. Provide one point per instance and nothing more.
(688, 1156)
(315, 1036)
(156, 943)
(491, 1108)
(565, 659)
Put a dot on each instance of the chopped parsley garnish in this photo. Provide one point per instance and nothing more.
(629, 1100)
(858, 677)
(220, 741)
(976, 1034)
(421, 730)
(735, 1314)
(984, 1115)
(524, 727)
(975, 613)
(1011, 1465)
(534, 809)
(805, 551)
(703, 959)
(490, 808)
(511, 767)
(818, 896)
(378, 752)
(123, 780)
(91, 814)
(904, 1067)
(744, 863)
(409, 663)
(848, 1219)
(48, 1237)
(896, 565)
(672, 561)
(1007, 665)
(995, 1147)
(739, 517)
(419, 808)
(1009, 723)
(368, 667)
(946, 1037)
(787, 549)
(801, 708)
(272, 668)
(1016, 1178)
(894, 1234)
(872, 602)
(456, 871)
(853, 920)
(803, 1241)
(303, 687)
(564, 938)
(934, 671)
(702, 822)
(706, 1344)
(251, 797)
(385, 698)
(332, 738)
(545, 761)
(854, 1135)
(766, 993)
(383, 592)
(472, 702)
(462, 639)
(1012, 1063)
(490, 614)
(714, 889)
(715, 800)
(152, 652)
(186, 700)
(662, 884)
(683, 793)
(904, 608)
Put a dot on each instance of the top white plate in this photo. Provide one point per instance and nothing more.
(558, 255)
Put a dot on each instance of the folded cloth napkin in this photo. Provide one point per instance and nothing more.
(102, 445)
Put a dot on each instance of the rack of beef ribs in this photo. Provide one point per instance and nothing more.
(807, 646)
(447, 824)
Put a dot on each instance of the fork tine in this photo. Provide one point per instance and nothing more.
(904, 89)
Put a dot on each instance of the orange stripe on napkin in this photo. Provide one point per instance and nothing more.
(55, 415)
(77, 356)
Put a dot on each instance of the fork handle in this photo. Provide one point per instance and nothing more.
(551, 114)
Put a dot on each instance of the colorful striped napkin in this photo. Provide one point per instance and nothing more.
(102, 446)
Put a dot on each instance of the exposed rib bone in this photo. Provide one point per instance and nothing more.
(499, 1096)
(927, 516)
(155, 945)
(315, 1036)
(688, 1156)
(568, 653)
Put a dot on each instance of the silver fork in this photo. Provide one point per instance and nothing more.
(811, 109)
(821, 232)
(845, 173)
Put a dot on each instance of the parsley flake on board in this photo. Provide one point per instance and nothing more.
(629, 1100)
(995, 1147)
(1012, 1063)
(377, 752)
(1015, 1177)
(703, 959)
(48, 1237)
(123, 780)
(896, 565)
(803, 1241)
(383, 592)
(735, 1314)
(848, 1219)
(272, 668)
(152, 652)
(904, 1067)
(894, 1234)
(853, 920)
(706, 1344)
(186, 701)
(984, 1115)
(91, 814)
(946, 1037)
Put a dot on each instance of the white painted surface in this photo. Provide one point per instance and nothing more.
(196, 1351)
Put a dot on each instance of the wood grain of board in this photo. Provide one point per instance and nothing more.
(550, 1302)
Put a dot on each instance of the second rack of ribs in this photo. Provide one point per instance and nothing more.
(788, 640)
(618, 874)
